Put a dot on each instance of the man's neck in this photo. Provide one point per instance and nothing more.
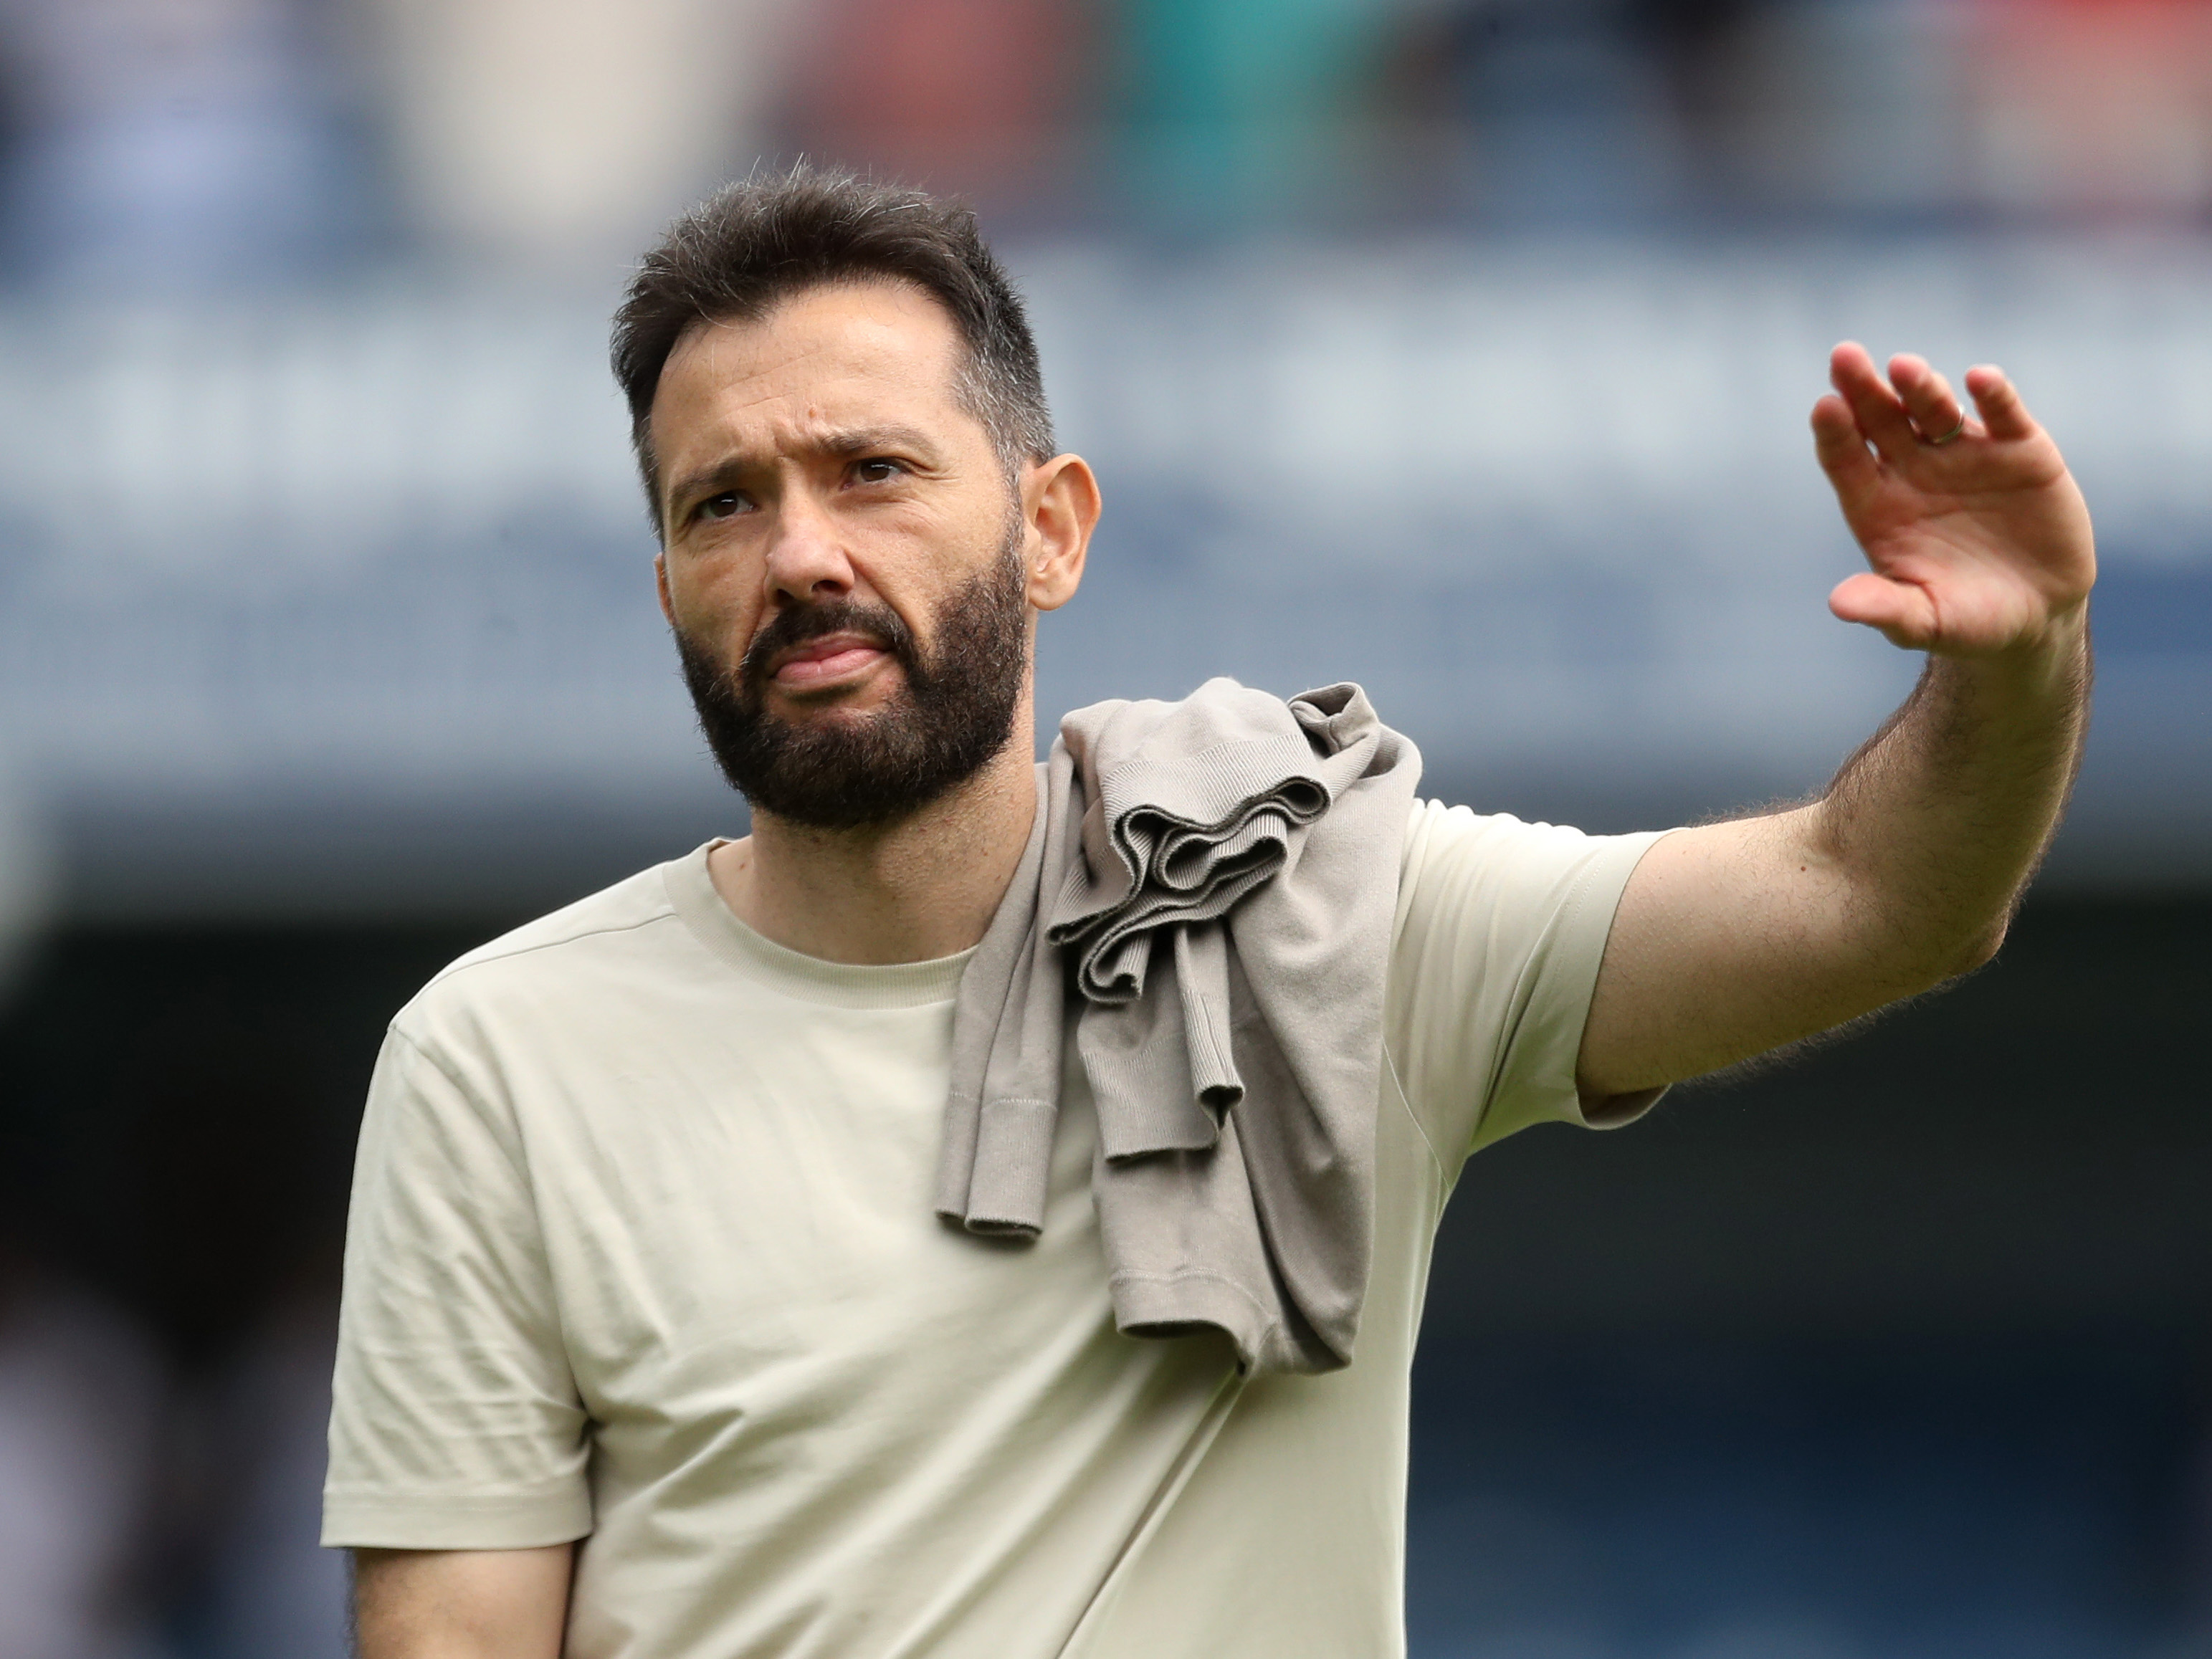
(923, 887)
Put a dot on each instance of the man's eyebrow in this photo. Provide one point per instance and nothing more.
(724, 474)
(732, 470)
(858, 440)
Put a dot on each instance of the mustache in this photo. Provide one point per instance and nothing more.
(800, 623)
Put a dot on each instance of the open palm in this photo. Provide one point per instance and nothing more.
(1977, 538)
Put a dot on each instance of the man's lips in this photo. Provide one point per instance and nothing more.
(833, 657)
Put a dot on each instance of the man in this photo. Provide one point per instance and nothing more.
(653, 1344)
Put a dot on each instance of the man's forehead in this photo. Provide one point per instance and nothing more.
(830, 370)
(873, 336)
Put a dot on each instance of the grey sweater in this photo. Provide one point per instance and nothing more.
(1210, 886)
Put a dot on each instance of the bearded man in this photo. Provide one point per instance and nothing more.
(682, 1316)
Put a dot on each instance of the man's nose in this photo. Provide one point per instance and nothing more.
(807, 559)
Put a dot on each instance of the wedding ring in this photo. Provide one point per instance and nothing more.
(1953, 433)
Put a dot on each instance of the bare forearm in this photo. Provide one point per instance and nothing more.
(1935, 824)
(461, 1604)
(1733, 939)
(1736, 938)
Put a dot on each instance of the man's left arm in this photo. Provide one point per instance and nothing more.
(1732, 938)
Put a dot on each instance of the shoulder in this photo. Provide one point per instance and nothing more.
(1487, 898)
(1454, 850)
(1501, 930)
(1434, 829)
(571, 956)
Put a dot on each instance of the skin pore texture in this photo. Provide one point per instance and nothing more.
(819, 455)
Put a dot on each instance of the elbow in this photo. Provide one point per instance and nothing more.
(1978, 951)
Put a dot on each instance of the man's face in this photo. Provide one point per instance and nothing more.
(845, 562)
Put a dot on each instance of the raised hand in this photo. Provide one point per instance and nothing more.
(1731, 938)
(1979, 541)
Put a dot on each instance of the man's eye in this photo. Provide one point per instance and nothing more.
(727, 505)
(877, 471)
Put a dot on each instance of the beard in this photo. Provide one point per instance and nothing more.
(953, 713)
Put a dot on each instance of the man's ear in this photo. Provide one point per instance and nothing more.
(1059, 498)
(660, 586)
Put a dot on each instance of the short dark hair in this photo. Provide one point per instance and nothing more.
(761, 240)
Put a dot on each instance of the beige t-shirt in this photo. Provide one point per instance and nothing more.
(642, 1253)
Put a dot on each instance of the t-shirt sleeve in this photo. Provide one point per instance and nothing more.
(455, 1423)
(1500, 928)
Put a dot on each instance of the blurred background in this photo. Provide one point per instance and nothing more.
(1461, 347)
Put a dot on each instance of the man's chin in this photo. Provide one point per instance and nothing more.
(855, 702)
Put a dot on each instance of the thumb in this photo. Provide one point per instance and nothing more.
(1900, 611)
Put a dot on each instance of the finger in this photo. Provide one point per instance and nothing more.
(1878, 410)
(1904, 613)
(1842, 450)
(1927, 399)
(2000, 406)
